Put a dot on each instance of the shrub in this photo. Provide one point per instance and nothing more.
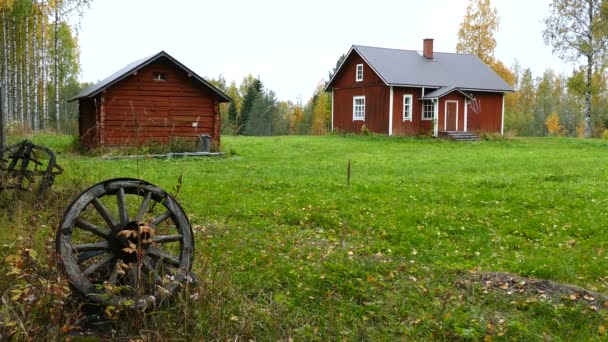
(365, 130)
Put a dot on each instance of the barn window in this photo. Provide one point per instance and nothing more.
(359, 72)
(161, 76)
(407, 107)
(428, 110)
(359, 108)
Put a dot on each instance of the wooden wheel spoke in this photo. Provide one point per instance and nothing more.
(158, 220)
(113, 279)
(123, 215)
(97, 246)
(82, 257)
(147, 265)
(99, 231)
(94, 253)
(143, 207)
(104, 261)
(105, 214)
(163, 256)
(167, 238)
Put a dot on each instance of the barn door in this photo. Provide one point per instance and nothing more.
(451, 115)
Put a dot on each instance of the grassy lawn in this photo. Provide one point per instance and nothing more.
(285, 248)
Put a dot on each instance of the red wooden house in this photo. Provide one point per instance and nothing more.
(154, 99)
(406, 92)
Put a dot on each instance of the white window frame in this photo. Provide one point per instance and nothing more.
(359, 73)
(424, 107)
(358, 108)
(407, 115)
(160, 76)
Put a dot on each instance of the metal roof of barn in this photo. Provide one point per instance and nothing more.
(409, 68)
(138, 65)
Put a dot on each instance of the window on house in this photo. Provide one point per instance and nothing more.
(161, 76)
(407, 107)
(428, 110)
(359, 108)
(359, 72)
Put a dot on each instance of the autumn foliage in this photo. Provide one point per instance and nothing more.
(553, 126)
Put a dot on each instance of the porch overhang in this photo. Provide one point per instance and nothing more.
(443, 91)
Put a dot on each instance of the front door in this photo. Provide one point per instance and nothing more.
(451, 115)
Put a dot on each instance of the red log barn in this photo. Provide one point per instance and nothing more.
(406, 92)
(154, 99)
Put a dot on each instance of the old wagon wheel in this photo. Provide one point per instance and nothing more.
(125, 242)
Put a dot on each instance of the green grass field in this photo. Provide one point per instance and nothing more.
(285, 248)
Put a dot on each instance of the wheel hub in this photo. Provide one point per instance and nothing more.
(130, 241)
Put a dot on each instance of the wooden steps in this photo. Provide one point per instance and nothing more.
(459, 136)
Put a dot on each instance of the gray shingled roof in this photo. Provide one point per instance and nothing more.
(410, 68)
(137, 65)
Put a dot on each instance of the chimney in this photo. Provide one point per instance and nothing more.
(427, 50)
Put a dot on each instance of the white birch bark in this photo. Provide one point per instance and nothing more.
(56, 67)
(15, 110)
(15, 114)
(36, 66)
(44, 77)
(5, 69)
(27, 123)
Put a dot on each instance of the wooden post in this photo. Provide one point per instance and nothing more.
(2, 123)
(348, 173)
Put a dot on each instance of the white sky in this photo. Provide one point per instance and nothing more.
(292, 45)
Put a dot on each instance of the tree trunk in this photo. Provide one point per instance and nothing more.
(588, 97)
(44, 77)
(14, 111)
(2, 122)
(56, 66)
(5, 64)
(20, 90)
(3, 86)
(36, 66)
(26, 59)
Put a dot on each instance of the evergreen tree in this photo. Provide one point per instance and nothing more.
(261, 117)
(253, 91)
(232, 114)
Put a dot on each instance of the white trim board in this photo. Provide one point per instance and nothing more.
(390, 112)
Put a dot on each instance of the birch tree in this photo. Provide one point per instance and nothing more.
(26, 80)
(61, 10)
(578, 32)
(476, 32)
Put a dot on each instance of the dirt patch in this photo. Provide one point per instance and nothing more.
(544, 289)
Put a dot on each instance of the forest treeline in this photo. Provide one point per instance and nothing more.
(547, 104)
(39, 69)
(255, 110)
(39, 63)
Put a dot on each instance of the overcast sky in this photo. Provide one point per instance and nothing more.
(291, 45)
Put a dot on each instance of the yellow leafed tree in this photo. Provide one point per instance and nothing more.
(321, 114)
(6, 4)
(476, 33)
(552, 124)
(296, 118)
